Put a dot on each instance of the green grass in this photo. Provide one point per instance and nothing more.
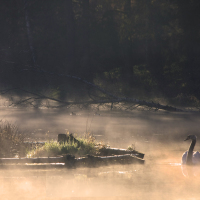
(53, 148)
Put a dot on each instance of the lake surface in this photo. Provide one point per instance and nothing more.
(159, 135)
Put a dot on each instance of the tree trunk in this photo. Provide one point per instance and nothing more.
(29, 34)
(70, 37)
(85, 61)
(129, 52)
(32, 74)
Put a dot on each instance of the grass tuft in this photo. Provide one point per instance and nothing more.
(54, 148)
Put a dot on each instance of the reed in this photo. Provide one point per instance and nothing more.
(11, 139)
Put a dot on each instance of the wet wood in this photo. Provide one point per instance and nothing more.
(116, 151)
(32, 160)
(72, 162)
(94, 161)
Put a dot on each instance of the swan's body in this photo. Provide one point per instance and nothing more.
(190, 157)
(195, 157)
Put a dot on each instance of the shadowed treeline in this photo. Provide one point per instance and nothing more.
(134, 48)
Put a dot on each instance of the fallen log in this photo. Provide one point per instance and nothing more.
(32, 160)
(94, 161)
(72, 162)
(116, 151)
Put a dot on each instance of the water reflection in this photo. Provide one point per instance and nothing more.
(149, 181)
(161, 177)
(190, 171)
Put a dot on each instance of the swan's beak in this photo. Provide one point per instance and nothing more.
(186, 138)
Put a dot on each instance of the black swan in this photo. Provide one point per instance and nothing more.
(191, 157)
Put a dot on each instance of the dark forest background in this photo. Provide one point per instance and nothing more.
(145, 49)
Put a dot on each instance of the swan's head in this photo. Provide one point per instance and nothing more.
(191, 137)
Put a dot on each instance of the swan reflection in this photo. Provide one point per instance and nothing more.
(190, 171)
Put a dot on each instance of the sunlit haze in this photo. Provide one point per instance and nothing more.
(159, 135)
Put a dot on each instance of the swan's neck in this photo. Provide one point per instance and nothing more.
(190, 153)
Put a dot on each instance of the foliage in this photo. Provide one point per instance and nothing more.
(186, 100)
(132, 45)
(54, 148)
(131, 147)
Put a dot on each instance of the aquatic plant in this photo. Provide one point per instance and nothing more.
(11, 139)
(54, 148)
(131, 148)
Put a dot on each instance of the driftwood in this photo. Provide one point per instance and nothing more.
(72, 162)
(115, 151)
(94, 161)
(32, 160)
(106, 156)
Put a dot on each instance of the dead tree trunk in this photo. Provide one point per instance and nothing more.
(70, 36)
(29, 34)
(32, 74)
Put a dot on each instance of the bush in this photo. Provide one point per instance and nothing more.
(11, 139)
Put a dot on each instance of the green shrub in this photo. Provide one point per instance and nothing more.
(53, 148)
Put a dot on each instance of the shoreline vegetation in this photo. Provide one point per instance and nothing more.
(13, 145)
(55, 148)
(11, 140)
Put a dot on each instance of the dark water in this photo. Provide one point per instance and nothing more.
(157, 134)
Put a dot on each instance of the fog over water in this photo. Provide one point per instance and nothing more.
(158, 134)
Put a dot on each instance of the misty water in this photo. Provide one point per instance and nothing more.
(158, 134)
